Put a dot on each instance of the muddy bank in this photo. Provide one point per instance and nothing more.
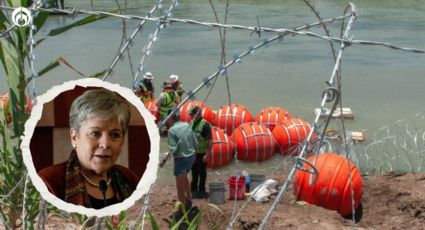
(389, 202)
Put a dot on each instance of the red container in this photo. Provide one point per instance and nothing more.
(236, 187)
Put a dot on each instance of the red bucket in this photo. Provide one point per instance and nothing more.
(236, 187)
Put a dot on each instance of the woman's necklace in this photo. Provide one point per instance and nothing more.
(93, 183)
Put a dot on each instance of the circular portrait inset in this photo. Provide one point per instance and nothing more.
(91, 147)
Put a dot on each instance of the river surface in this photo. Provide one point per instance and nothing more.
(379, 84)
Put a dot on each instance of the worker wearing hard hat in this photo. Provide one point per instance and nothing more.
(167, 100)
(177, 85)
(145, 89)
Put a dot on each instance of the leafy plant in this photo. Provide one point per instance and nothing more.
(187, 220)
(18, 198)
(117, 222)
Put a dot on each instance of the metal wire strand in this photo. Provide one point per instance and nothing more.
(256, 29)
(305, 145)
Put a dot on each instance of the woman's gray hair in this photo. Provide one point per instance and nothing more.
(99, 103)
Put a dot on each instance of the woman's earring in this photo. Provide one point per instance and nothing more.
(74, 146)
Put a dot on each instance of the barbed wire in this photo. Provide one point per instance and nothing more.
(130, 41)
(222, 69)
(31, 55)
(7, 31)
(3, 197)
(398, 147)
(326, 97)
(24, 201)
(153, 38)
(256, 29)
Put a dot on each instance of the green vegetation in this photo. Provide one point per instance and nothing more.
(19, 200)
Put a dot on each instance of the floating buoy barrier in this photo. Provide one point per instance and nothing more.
(254, 142)
(206, 111)
(333, 188)
(230, 117)
(271, 116)
(153, 108)
(290, 134)
(4, 105)
(221, 152)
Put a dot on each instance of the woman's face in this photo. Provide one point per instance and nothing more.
(98, 143)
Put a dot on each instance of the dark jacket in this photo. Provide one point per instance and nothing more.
(54, 178)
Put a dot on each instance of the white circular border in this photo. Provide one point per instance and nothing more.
(145, 182)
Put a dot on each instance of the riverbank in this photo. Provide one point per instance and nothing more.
(389, 201)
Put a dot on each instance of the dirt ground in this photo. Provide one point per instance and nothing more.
(389, 202)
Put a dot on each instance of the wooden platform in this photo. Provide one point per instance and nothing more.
(357, 136)
(346, 113)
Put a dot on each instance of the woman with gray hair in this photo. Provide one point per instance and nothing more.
(98, 122)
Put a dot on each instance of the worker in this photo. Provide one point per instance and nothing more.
(145, 89)
(202, 130)
(167, 100)
(182, 144)
(177, 85)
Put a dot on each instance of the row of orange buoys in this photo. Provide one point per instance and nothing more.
(338, 184)
(254, 138)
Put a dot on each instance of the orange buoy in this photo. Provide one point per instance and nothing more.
(230, 117)
(271, 116)
(254, 142)
(289, 134)
(221, 152)
(4, 105)
(207, 113)
(333, 188)
(151, 106)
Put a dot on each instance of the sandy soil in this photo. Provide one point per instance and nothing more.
(389, 202)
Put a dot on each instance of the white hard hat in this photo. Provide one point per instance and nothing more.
(174, 78)
(148, 75)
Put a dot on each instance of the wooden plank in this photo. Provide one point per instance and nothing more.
(346, 113)
(357, 136)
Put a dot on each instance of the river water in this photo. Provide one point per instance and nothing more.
(379, 84)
